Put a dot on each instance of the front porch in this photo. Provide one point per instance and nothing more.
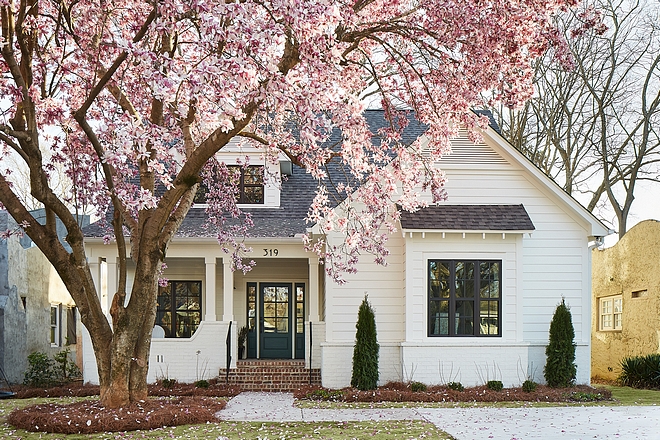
(205, 304)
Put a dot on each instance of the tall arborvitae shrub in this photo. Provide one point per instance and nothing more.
(365, 353)
(560, 366)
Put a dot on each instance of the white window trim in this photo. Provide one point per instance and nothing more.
(610, 313)
(55, 328)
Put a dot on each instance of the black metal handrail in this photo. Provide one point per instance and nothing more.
(310, 352)
(228, 352)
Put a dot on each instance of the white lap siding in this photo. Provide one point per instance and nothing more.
(538, 270)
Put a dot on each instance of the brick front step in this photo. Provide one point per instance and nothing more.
(271, 375)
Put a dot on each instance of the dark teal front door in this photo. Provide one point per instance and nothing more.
(275, 321)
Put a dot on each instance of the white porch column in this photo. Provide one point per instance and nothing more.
(112, 281)
(227, 290)
(210, 289)
(313, 289)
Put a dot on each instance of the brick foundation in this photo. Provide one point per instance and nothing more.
(271, 375)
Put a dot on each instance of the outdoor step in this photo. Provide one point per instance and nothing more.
(271, 375)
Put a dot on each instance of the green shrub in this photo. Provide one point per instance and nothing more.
(365, 353)
(417, 386)
(529, 386)
(324, 394)
(43, 371)
(580, 396)
(457, 386)
(64, 368)
(40, 371)
(202, 384)
(641, 371)
(560, 369)
(167, 383)
(495, 385)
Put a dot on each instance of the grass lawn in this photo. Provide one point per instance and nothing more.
(397, 429)
(633, 396)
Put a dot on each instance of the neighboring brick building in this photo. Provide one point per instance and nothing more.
(626, 299)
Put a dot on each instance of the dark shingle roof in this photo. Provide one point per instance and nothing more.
(469, 218)
(297, 194)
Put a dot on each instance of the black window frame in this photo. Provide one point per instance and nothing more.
(241, 196)
(164, 306)
(242, 186)
(457, 303)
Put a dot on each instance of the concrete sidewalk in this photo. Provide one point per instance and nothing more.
(639, 422)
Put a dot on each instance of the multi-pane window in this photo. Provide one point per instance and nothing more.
(179, 310)
(248, 181)
(464, 297)
(611, 312)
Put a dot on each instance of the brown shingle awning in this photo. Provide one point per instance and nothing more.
(469, 218)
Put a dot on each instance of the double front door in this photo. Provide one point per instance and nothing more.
(276, 320)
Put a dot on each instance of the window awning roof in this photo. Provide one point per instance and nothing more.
(498, 218)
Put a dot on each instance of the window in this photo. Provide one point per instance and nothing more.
(464, 297)
(639, 293)
(55, 325)
(248, 181)
(179, 310)
(611, 312)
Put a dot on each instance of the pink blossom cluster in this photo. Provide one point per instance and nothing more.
(142, 95)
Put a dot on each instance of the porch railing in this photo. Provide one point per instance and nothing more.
(310, 352)
(228, 352)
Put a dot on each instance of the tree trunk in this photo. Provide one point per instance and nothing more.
(129, 352)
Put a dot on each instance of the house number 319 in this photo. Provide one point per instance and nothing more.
(271, 252)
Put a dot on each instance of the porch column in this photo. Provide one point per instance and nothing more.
(210, 289)
(227, 290)
(112, 281)
(313, 289)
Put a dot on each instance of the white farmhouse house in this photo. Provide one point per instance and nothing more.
(468, 293)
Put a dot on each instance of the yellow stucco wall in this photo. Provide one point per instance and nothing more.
(632, 265)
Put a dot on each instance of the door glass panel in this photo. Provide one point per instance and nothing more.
(269, 294)
(300, 308)
(252, 305)
(283, 295)
(269, 324)
(282, 310)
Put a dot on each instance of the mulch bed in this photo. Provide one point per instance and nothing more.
(180, 404)
(90, 416)
(401, 392)
(183, 404)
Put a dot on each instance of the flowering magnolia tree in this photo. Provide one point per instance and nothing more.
(132, 99)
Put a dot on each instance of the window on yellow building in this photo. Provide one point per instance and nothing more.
(610, 312)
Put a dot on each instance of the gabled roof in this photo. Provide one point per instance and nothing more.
(298, 191)
(468, 218)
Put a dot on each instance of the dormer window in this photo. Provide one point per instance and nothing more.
(249, 182)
